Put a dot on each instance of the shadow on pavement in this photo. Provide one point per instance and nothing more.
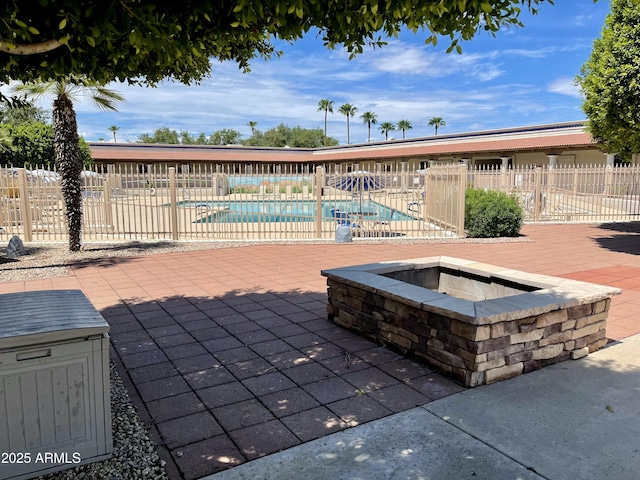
(626, 241)
(229, 379)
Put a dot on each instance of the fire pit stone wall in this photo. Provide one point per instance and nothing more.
(500, 323)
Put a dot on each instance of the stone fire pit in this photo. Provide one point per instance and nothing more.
(475, 322)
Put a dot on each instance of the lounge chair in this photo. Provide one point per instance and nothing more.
(419, 200)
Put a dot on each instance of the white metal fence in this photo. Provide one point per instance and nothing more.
(568, 194)
(231, 201)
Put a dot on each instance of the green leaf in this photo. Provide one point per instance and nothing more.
(91, 41)
(34, 30)
(62, 24)
(609, 408)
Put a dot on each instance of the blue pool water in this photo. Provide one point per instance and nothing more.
(291, 211)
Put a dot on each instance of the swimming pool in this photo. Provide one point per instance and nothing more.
(252, 211)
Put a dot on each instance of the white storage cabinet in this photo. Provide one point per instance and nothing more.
(55, 408)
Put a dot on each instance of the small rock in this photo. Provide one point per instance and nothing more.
(16, 247)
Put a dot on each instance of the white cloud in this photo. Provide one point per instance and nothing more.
(230, 102)
(581, 20)
(418, 60)
(529, 53)
(564, 86)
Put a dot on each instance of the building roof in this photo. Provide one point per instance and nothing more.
(551, 139)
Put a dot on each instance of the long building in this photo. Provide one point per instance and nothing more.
(558, 144)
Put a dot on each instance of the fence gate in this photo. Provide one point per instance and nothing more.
(444, 198)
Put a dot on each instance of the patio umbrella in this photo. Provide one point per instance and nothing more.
(359, 182)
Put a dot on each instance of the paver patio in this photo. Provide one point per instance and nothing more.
(229, 355)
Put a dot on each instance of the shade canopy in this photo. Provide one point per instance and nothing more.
(359, 181)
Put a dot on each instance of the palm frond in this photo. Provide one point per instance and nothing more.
(100, 96)
(36, 91)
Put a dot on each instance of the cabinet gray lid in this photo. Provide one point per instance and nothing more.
(47, 315)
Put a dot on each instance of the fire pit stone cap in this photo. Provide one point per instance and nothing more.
(552, 293)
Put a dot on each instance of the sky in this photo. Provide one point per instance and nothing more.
(523, 76)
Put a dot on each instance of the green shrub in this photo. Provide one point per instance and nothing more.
(491, 214)
(245, 189)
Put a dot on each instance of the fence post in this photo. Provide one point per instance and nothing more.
(173, 207)
(537, 195)
(608, 178)
(429, 187)
(25, 208)
(319, 185)
(462, 186)
(108, 213)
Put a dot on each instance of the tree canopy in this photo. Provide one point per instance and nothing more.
(278, 136)
(145, 41)
(282, 135)
(165, 135)
(161, 135)
(609, 81)
(25, 114)
(31, 144)
(26, 137)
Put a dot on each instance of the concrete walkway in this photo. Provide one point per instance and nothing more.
(575, 420)
(228, 355)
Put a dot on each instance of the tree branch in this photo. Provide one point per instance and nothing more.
(31, 48)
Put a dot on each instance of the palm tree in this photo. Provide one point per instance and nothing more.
(252, 126)
(404, 125)
(437, 122)
(66, 140)
(349, 111)
(327, 106)
(369, 118)
(6, 142)
(386, 127)
(114, 129)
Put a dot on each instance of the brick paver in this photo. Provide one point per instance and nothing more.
(232, 352)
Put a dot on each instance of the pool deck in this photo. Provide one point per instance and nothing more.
(229, 356)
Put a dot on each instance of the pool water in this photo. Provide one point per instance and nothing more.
(291, 211)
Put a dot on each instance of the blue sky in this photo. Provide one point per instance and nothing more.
(523, 76)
